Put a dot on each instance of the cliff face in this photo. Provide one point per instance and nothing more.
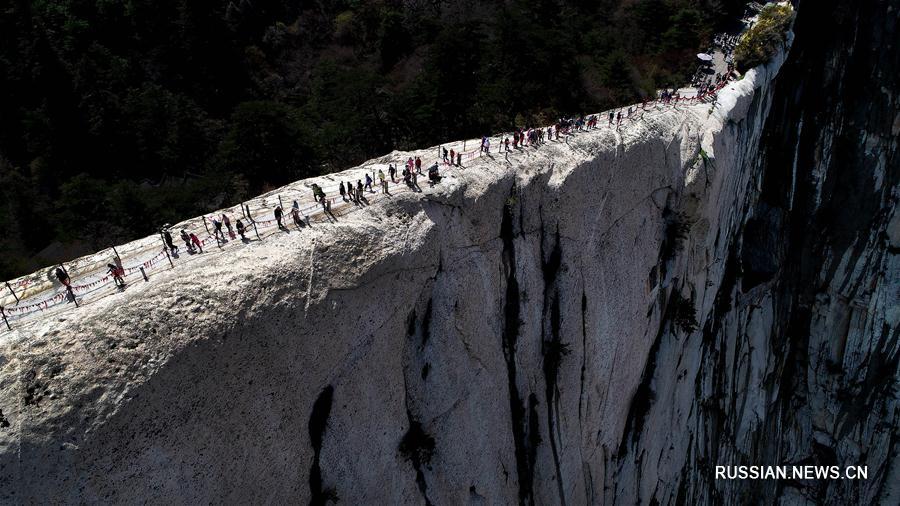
(801, 363)
(597, 321)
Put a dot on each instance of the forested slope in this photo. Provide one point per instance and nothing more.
(119, 116)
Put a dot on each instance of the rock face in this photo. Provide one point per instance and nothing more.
(601, 320)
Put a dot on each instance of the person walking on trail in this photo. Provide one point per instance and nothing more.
(196, 242)
(487, 146)
(217, 230)
(382, 181)
(318, 194)
(618, 119)
(187, 241)
(278, 213)
(295, 214)
(167, 238)
(392, 172)
(62, 277)
(506, 142)
(369, 183)
(227, 223)
(342, 191)
(459, 159)
(418, 165)
(241, 229)
(452, 157)
(113, 270)
(410, 164)
(610, 117)
(445, 154)
(359, 188)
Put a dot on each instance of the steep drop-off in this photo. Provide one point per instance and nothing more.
(600, 320)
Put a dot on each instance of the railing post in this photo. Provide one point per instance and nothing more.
(13, 292)
(3, 312)
(250, 217)
(166, 249)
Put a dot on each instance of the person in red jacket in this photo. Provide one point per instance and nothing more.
(196, 241)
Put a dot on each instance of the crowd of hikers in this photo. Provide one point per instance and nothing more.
(409, 172)
(706, 79)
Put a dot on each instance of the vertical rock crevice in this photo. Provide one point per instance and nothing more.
(524, 446)
(318, 423)
(552, 349)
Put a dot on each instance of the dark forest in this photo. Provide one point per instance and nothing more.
(120, 115)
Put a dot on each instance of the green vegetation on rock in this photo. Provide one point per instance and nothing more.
(766, 37)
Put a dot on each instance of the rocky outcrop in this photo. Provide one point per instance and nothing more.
(601, 320)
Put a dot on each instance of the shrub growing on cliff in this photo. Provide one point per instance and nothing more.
(676, 231)
(765, 37)
(682, 313)
(417, 445)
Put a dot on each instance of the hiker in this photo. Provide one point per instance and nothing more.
(318, 194)
(196, 242)
(506, 142)
(618, 119)
(295, 214)
(217, 227)
(62, 277)
(445, 154)
(610, 117)
(227, 224)
(418, 165)
(410, 164)
(487, 146)
(240, 229)
(392, 172)
(113, 270)
(369, 183)
(382, 180)
(434, 175)
(342, 191)
(167, 238)
(359, 187)
(186, 237)
(187, 241)
(459, 159)
(278, 213)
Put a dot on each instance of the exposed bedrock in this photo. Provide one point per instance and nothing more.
(598, 321)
